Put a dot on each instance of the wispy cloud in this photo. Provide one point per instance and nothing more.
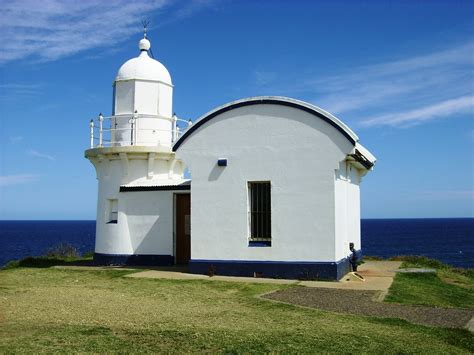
(35, 153)
(460, 105)
(403, 92)
(8, 90)
(7, 180)
(52, 29)
(431, 78)
(442, 195)
(263, 78)
(16, 139)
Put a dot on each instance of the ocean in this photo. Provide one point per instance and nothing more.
(450, 240)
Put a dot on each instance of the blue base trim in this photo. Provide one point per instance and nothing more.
(300, 270)
(139, 260)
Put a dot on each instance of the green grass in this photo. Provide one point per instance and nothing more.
(65, 310)
(448, 287)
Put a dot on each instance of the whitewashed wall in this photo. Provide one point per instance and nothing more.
(298, 152)
(151, 98)
(145, 219)
(145, 225)
(347, 208)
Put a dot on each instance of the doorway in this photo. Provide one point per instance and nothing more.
(183, 228)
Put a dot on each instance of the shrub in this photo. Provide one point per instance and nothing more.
(421, 261)
(30, 261)
(373, 258)
(63, 250)
(88, 255)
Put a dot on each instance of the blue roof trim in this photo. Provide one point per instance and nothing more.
(260, 101)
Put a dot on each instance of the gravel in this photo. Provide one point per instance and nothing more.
(362, 303)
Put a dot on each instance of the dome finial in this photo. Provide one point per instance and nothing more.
(144, 43)
(145, 24)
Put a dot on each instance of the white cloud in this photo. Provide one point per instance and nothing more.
(8, 90)
(7, 180)
(441, 194)
(263, 78)
(16, 139)
(37, 154)
(402, 92)
(428, 79)
(460, 105)
(51, 29)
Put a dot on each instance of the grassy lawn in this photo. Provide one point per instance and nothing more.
(60, 310)
(448, 287)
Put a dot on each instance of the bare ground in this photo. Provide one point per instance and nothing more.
(363, 303)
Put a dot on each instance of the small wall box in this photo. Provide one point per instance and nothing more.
(221, 162)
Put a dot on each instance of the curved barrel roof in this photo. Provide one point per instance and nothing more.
(272, 100)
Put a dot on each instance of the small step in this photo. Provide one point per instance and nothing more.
(354, 276)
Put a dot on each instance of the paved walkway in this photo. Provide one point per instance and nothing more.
(181, 275)
(378, 276)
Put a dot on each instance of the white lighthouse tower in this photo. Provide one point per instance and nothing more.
(138, 174)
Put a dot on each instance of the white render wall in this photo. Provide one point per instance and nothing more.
(153, 101)
(145, 224)
(347, 197)
(144, 96)
(145, 219)
(298, 152)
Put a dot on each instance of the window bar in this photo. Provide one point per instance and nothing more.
(260, 210)
(269, 208)
(257, 234)
(263, 188)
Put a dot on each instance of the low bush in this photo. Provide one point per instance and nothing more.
(420, 261)
(423, 261)
(30, 261)
(63, 250)
(88, 254)
(62, 254)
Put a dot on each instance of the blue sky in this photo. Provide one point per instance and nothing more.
(399, 73)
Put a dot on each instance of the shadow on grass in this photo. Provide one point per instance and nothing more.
(46, 261)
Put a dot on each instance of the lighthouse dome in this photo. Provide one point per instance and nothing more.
(143, 67)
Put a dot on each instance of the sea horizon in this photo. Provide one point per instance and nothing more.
(447, 239)
(89, 220)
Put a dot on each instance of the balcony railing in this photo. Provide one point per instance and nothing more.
(126, 130)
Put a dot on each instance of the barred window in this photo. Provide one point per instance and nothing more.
(260, 211)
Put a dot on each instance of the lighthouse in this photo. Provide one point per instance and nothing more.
(275, 188)
(140, 180)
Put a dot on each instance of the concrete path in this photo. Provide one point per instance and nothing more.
(378, 276)
(176, 275)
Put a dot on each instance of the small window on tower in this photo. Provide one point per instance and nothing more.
(113, 211)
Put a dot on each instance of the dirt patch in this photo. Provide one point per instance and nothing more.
(455, 282)
(363, 303)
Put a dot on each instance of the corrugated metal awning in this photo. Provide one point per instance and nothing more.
(156, 186)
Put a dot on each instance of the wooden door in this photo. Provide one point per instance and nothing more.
(183, 228)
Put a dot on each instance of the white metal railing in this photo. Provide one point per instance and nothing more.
(124, 130)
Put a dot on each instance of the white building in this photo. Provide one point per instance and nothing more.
(275, 183)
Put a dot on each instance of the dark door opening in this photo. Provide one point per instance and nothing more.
(183, 228)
